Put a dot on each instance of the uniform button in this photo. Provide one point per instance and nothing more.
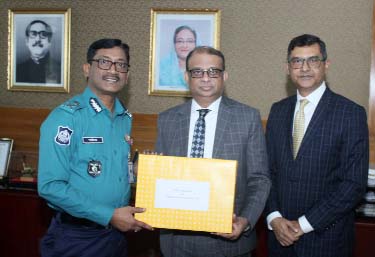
(119, 179)
(115, 151)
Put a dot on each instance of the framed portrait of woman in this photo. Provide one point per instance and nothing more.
(174, 33)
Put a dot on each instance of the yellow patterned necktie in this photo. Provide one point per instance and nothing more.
(299, 127)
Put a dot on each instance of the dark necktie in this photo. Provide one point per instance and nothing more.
(197, 146)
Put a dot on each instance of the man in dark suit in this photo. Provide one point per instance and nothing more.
(40, 67)
(318, 150)
(233, 132)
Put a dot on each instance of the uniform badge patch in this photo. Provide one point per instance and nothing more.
(94, 168)
(63, 135)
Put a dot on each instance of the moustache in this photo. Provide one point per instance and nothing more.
(38, 43)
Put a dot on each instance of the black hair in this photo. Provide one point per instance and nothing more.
(107, 43)
(179, 29)
(205, 50)
(48, 28)
(307, 40)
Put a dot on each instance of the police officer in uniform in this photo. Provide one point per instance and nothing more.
(83, 172)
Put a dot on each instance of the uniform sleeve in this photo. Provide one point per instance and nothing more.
(56, 149)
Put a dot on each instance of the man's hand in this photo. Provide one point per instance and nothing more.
(239, 225)
(286, 231)
(298, 227)
(124, 220)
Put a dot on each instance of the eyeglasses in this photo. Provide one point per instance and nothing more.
(312, 62)
(181, 41)
(211, 72)
(42, 34)
(104, 64)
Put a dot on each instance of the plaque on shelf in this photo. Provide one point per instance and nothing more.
(5, 153)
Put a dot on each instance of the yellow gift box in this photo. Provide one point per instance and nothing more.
(186, 193)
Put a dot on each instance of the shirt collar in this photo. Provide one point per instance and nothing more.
(315, 96)
(214, 107)
(96, 106)
(39, 60)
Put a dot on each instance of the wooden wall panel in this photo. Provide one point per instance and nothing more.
(22, 125)
(144, 131)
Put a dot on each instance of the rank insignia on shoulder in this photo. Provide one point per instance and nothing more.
(128, 113)
(95, 105)
(72, 105)
(63, 135)
(94, 168)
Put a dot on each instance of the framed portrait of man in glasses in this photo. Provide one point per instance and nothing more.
(39, 50)
(174, 33)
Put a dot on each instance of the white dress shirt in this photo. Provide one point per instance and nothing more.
(309, 110)
(210, 120)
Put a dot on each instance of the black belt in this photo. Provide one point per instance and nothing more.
(66, 218)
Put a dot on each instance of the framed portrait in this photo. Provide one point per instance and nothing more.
(39, 50)
(174, 33)
(6, 145)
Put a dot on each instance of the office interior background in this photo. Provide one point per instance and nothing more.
(254, 35)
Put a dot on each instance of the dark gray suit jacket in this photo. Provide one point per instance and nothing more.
(239, 136)
(327, 178)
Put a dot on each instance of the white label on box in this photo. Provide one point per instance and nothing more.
(182, 195)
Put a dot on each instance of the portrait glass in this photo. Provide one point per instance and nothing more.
(174, 33)
(39, 50)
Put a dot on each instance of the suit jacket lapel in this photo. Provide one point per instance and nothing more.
(290, 115)
(182, 128)
(317, 118)
(223, 120)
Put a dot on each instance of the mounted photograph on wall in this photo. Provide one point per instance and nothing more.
(6, 145)
(39, 50)
(174, 33)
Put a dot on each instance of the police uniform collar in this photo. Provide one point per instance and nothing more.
(92, 101)
(121, 109)
(95, 105)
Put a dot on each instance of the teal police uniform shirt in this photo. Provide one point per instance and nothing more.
(83, 158)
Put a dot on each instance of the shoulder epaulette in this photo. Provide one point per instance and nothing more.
(126, 111)
(71, 106)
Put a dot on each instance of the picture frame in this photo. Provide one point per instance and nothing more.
(39, 50)
(173, 34)
(6, 145)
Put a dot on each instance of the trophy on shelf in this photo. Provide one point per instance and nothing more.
(28, 173)
(23, 170)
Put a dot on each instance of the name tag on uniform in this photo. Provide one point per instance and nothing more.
(92, 140)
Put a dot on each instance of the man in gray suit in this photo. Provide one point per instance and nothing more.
(233, 132)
